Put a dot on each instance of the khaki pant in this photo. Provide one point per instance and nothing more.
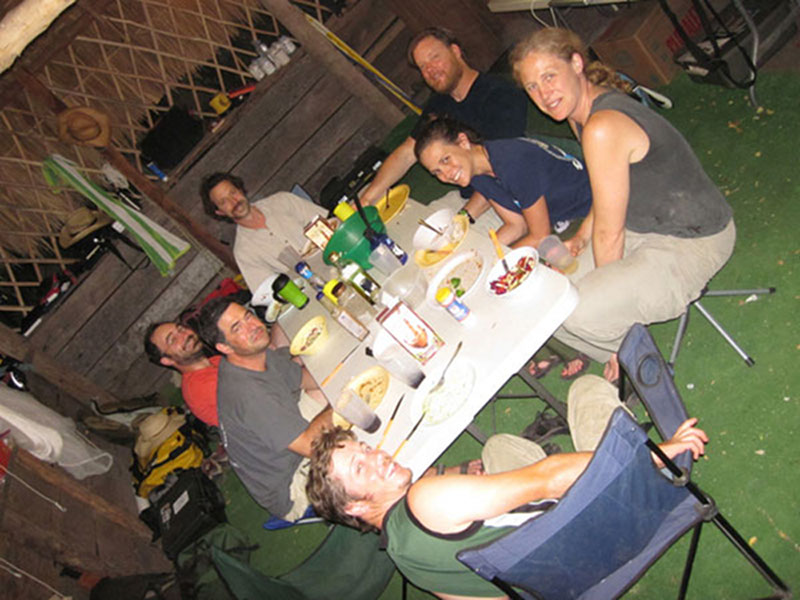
(309, 408)
(654, 281)
(590, 402)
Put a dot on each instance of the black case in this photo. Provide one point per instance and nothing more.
(188, 506)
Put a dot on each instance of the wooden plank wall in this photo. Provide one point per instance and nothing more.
(41, 539)
(301, 128)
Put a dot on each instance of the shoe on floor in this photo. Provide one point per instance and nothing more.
(585, 363)
(545, 426)
(538, 372)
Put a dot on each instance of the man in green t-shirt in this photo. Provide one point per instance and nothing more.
(423, 524)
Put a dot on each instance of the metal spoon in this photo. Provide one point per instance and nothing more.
(440, 383)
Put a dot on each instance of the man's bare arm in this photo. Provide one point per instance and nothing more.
(302, 443)
(393, 168)
(278, 337)
(438, 502)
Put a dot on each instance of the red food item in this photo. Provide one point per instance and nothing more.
(514, 277)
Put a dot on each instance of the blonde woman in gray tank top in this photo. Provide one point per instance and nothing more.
(658, 230)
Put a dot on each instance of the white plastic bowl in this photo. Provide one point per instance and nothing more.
(446, 269)
(527, 285)
(425, 239)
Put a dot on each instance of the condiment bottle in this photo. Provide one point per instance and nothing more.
(457, 309)
(344, 295)
(350, 324)
(352, 273)
(305, 272)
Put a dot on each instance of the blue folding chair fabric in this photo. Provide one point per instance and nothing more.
(610, 526)
(647, 371)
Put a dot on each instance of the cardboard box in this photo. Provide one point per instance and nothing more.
(642, 41)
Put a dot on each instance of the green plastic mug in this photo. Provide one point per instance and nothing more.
(284, 288)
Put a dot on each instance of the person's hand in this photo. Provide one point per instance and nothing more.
(687, 437)
(576, 244)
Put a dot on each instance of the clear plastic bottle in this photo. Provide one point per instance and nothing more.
(344, 295)
(351, 324)
(352, 273)
(278, 55)
(260, 47)
(457, 309)
(287, 43)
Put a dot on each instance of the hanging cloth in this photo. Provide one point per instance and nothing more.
(162, 247)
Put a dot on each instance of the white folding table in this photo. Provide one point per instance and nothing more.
(499, 338)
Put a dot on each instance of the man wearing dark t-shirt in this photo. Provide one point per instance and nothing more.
(492, 106)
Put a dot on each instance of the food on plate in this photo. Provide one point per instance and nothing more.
(514, 277)
(463, 275)
(444, 402)
(310, 337)
(371, 386)
(427, 257)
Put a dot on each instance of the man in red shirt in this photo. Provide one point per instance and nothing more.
(177, 346)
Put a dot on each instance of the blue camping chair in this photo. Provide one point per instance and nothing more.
(621, 514)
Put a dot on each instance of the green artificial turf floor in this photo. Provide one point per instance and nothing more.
(751, 414)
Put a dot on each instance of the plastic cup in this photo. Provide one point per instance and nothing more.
(408, 284)
(553, 250)
(382, 259)
(393, 357)
(353, 408)
(286, 289)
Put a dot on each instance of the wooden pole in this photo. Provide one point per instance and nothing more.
(66, 483)
(19, 347)
(322, 50)
(151, 190)
(24, 23)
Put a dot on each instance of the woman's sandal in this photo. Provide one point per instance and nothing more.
(585, 362)
(538, 372)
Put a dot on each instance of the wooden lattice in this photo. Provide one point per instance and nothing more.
(133, 59)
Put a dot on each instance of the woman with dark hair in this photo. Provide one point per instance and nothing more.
(659, 228)
(531, 185)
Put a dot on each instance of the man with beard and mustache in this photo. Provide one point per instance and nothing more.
(173, 345)
(490, 105)
(270, 408)
(263, 227)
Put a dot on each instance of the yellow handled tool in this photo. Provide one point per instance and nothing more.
(498, 248)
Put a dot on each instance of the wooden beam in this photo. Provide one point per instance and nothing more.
(19, 347)
(44, 96)
(60, 35)
(24, 23)
(56, 476)
(322, 50)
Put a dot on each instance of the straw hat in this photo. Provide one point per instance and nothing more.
(81, 223)
(84, 126)
(154, 431)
